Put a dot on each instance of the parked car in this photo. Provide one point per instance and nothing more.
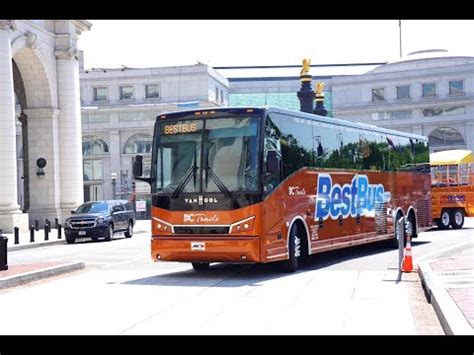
(97, 219)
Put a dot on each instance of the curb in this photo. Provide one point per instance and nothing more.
(16, 280)
(35, 245)
(450, 316)
(424, 270)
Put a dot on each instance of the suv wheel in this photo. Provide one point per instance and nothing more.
(110, 233)
(70, 240)
(129, 231)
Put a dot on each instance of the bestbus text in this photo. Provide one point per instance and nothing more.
(357, 198)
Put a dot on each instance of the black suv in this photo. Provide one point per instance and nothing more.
(97, 219)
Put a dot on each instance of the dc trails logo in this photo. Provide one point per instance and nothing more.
(357, 198)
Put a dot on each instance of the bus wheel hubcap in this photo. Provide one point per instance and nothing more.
(297, 247)
(445, 219)
(458, 217)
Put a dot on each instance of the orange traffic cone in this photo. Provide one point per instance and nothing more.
(407, 263)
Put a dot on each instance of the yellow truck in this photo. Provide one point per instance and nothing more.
(452, 187)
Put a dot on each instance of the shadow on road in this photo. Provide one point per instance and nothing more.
(237, 275)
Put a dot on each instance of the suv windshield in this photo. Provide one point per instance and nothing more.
(229, 161)
(94, 207)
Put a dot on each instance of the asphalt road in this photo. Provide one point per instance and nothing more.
(351, 291)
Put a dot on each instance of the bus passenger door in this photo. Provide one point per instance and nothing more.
(274, 203)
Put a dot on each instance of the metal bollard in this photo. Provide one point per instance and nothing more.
(16, 230)
(32, 234)
(46, 232)
(3, 252)
(56, 223)
(59, 231)
(36, 225)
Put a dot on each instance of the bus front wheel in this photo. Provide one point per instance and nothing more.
(294, 251)
(457, 219)
(200, 266)
(444, 221)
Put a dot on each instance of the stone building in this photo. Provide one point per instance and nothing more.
(39, 120)
(119, 108)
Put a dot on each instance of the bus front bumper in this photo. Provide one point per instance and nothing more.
(202, 249)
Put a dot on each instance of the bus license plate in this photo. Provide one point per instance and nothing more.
(200, 246)
(82, 232)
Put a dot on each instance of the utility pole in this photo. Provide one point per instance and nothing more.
(400, 26)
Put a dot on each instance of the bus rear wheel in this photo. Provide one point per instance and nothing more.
(445, 220)
(457, 218)
(200, 266)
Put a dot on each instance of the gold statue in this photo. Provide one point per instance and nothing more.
(319, 89)
(306, 66)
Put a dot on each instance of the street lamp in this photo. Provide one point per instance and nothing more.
(113, 177)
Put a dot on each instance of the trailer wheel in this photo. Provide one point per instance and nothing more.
(445, 220)
(457, 218)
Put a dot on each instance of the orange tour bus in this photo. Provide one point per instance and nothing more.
(452, 177)
(263, 184)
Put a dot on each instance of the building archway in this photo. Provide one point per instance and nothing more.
(446, 138)
(39, 130)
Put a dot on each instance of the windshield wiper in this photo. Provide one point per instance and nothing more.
(218, 181)
(214, 177)
(185, 179)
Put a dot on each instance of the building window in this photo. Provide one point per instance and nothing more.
(152, 91)
(403, 92)
(92, 145)
(456, 87)
(439, 111)
(429, 90)
(137, 116)
(126, 92)
(378, 94)
(95, 118)
(217, 93)
(138, 144)
(92, 169)
(222, 96)
(391, 115)
(100, 94)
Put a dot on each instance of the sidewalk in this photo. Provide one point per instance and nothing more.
(141, 226)
(448, 281)
(19, 274)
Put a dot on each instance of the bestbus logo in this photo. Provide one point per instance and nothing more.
(357, 198)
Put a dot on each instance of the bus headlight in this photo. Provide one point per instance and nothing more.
(162, 226)
(244, 225)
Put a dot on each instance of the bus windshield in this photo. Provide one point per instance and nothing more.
(212, 155)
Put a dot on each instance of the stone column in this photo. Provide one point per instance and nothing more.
(10, 214)
(70, 137)
(43, 143)
(115, 160)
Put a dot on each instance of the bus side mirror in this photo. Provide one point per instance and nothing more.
(272, 161)
(138, 166)
(73, 211)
